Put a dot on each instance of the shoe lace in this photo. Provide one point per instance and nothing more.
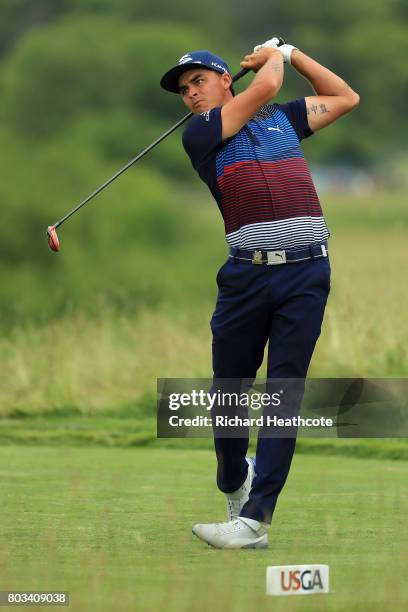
(229, 527)
(234, 506)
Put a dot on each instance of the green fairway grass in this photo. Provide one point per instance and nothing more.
(113, 527)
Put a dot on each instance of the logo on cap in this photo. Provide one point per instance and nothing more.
(219, 66)
(185, 58)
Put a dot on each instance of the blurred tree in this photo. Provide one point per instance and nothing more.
(56, 72)
(210, 18)
(93, 78)
(96, 64)
(19, 16)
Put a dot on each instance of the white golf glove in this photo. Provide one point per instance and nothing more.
(285, 49)
(274, 42)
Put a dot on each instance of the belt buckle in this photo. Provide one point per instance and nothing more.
(276, 258)
(257, 257)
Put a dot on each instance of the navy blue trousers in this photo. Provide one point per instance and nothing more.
(282, 306)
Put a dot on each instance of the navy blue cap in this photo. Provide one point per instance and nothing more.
(194, 59)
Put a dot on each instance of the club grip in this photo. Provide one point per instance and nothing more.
(240, 74)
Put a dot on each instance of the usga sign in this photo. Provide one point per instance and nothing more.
(297, 579)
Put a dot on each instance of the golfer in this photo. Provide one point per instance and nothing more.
(273, 288)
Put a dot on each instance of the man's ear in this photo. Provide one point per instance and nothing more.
(226, 80)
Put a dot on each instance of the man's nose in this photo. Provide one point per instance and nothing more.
(193, 92)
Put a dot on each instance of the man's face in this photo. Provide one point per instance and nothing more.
(203, 89)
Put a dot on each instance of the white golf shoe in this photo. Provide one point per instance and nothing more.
(240, 533)
(237, 499)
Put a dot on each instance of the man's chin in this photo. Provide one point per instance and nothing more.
(201, 108)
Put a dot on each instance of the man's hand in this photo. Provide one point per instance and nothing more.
(255, 61)
(279, 43)
(273, 42)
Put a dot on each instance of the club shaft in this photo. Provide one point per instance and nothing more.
(237, 76)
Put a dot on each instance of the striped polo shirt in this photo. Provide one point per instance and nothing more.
(259, 177)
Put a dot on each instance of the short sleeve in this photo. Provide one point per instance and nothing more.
(203, 136)
(296, 113)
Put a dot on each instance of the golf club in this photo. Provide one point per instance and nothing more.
(52, 236)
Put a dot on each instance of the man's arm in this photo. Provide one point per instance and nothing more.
(268, 64)
(334, 97)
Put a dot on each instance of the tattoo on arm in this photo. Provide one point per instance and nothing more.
(276, 67)
(322, 108)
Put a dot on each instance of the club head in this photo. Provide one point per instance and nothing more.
(52, 238)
